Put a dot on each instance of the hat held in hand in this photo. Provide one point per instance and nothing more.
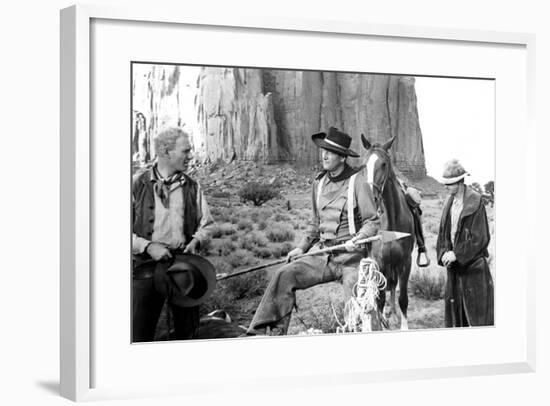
(189, 281)
(453, 172)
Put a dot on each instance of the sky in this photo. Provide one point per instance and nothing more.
(457, 120)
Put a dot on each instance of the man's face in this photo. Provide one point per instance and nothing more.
(181, 155)
(331, 160)
(452, 189)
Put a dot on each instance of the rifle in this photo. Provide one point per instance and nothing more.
(383, 236)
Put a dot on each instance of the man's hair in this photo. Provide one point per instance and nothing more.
(165, 141)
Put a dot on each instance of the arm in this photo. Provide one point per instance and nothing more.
(139, 244)
(442, 245)
(476, 239)
(206, 221)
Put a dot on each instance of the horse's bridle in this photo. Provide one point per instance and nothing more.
(378, 190)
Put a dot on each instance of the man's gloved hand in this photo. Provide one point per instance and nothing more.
(294, 253)
(192, 247)
(350, 244)
(158, 251)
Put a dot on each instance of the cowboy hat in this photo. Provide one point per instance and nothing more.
(453, 172)
(335, 141)
(188, 281)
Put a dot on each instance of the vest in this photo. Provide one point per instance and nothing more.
(143, 218)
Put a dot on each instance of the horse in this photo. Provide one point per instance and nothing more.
(393, 258)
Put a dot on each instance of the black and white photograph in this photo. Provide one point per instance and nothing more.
(271, 202)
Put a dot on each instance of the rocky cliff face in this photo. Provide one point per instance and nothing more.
(269, 115)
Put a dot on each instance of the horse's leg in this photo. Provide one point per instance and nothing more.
(393, 312)
(381, 302)
(403, 295)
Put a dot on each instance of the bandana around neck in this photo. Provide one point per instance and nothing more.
(346, 173)
(163, 186)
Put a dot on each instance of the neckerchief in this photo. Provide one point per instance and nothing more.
(346, 173)
(163, 186)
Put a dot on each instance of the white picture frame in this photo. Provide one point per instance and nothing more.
(78, 353)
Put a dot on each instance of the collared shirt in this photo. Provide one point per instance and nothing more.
(330, 218)
(168, 225)
(456, 211)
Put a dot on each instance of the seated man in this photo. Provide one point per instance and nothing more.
(331, 224)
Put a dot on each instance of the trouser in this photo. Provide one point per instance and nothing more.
(280, 298)
(147, 304)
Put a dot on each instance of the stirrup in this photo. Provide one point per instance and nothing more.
(424, 265)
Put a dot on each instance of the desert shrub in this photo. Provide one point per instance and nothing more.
(262, 225)
(205, 246)
(225, 248)
(246, 286)
(239, 258)
(286, 247)
(234, 237)
(321, 317)
(428, 283)
(276, 251)
(280, 234)
(257, 193)
(220, 230)
(222, 298)
(245, 225)
(254, 216)
(220, 194)
(262, 252)
(431, 225)
(235, 219)
(252, 240)
(221, 215)
(281, 218)
(216, 231)
(227, 229)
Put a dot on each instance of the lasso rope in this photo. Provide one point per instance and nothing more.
(359, 309)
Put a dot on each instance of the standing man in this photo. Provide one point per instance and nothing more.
(170, 217)
(336, 219)
(462, 248)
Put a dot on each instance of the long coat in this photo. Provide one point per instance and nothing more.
(469, 280)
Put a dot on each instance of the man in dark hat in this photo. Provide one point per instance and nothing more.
(170, 217)
(462, 247)
(343, 212)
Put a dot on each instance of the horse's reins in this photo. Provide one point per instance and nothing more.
(379, 189)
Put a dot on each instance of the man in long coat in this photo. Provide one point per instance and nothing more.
(462, 248)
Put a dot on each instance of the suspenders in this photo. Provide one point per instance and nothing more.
(351, 194)
(351, 199)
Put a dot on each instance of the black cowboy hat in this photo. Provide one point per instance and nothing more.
(188, 281)
(335, 141)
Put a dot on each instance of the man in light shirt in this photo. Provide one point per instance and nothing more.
(170, 216)
(462, 248)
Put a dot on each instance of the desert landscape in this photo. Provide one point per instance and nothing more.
(247, 235)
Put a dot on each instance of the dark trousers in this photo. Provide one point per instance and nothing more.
(147, 304)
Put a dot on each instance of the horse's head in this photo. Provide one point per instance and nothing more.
(378, 165)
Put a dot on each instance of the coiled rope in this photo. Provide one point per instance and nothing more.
(360, 308)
